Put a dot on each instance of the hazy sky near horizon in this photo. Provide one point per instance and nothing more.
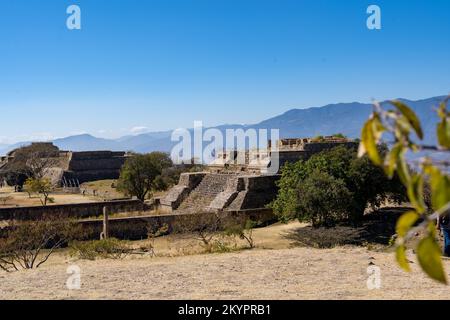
(140, 65)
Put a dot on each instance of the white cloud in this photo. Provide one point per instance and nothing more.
(139, 129)
(4, 140)
(36, 136)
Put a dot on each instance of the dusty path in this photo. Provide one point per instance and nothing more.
(298, 273)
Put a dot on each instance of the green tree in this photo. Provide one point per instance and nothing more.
(403, 125)
(285, 205)
(365, 182)
(141, 174)
(323, 199)
(43, 187)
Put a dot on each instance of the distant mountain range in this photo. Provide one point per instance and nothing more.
(345, 118)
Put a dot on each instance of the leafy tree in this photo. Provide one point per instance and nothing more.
(370, 187)
(43, 187)
(170, 176)
(285, 205)
(141, 174)
(365, 184)
(322, 199)
(318, 139)
(402, 124)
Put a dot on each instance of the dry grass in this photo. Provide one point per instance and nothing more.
(275, 270)
(22, 199)
(103, 188)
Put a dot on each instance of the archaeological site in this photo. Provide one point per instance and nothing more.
(240, 180)
(74, 168)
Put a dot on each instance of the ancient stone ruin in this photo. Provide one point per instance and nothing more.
(240, 180)
(70, 169)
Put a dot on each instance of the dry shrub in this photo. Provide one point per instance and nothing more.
(110, 248)
(29, 244)
(204, 226)
(216, 232)
(5, 199)
(242, 228)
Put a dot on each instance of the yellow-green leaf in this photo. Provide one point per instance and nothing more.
(442, 111)
(410, 116)
(405, 222)
(443, 133)
(440, 191)
(403, 170)
(400, 255)
(429, 256)
(392, 159)
(369, 141)
(415, 193)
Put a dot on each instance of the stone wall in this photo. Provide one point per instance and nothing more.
(257, 161)
(78, 166)
(79, 210)
(94, 165)
(137, 228)
(254, 192)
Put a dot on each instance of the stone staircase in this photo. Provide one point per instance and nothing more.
(201, 197)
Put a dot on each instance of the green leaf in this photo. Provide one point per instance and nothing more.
(443, 133)
(392, 159)
(403, 170)
(415, 193)
(440, 186)
(410, 116)
(400, 255)
(442, 111)
(369, 139)
(441, 192)
(429, 256)
(405, 222)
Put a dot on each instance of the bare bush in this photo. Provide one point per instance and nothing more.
(29, 244)
(5, 199)
(204, 226)
(152, 234)
(216, 230)
(241, 227)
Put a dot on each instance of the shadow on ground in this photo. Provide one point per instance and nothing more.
(377, 228)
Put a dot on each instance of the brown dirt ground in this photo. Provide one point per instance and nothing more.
(22, 199)
(276, 269)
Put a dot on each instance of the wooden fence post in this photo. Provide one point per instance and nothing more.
(105, 233)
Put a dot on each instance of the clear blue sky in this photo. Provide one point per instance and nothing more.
(161, 64)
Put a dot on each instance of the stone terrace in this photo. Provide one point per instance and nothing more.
(201, 197)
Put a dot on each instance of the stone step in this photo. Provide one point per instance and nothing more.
(201, 197)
